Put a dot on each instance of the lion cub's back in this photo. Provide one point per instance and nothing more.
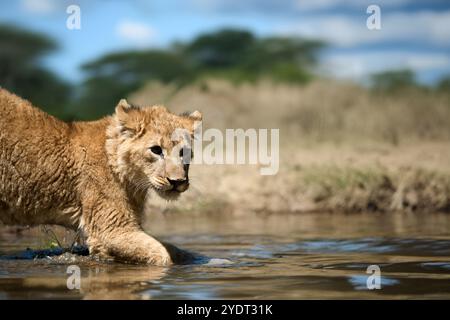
(32, 148)
(20, 120)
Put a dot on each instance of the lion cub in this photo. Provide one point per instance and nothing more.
(93, 176)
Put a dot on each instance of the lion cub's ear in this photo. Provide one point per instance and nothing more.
(129, 124)
(122, 108)
(196, 115)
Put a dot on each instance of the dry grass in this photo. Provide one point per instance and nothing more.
(343, 148)
(321, 111)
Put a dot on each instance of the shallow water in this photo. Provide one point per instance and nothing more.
(256, 256)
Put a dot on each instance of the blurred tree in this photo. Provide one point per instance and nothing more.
(444, 84)
(393, 80)
(115, 75)
(284, 59)
(236, 55)
(223, 49)
(21, 69)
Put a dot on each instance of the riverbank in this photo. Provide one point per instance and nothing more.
(325, 178)
(342, 147)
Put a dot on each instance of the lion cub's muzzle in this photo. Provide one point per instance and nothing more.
(179, 185)
(166, 184)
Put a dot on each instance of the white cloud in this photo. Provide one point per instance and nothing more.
(290, 6)
(359, 65)
(316, 5)
(39, 6)
(345, 31)
(136, 32)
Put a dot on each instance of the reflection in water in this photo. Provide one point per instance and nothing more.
(98, 281)
(256, 257)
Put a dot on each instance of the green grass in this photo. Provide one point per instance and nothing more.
(376, 189)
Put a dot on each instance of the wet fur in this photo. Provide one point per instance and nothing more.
(92, 176)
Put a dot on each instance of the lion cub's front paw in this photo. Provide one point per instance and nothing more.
(160, 257)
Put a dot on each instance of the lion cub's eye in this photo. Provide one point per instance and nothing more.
(188, 150)
(156, 150)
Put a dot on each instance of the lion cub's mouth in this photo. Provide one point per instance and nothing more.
(166, 189)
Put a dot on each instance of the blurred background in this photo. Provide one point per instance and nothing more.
(364, 115)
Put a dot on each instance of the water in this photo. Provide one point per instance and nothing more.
(256, 256)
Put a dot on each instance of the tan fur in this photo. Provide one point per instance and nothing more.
(93, 176)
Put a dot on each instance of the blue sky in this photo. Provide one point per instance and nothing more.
(414, 34)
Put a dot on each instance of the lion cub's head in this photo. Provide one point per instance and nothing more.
(150, 148)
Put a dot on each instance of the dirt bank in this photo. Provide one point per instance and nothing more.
(342, 147)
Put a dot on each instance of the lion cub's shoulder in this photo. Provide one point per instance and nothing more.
(16, 112)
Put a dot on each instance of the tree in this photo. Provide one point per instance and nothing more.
(393, 80)
(116, 75)
(444, 84)
(21, 71)
(283, 58)
(236, 55)
(223, 49)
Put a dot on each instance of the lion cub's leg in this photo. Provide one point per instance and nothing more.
(139, 247)
(131, 246)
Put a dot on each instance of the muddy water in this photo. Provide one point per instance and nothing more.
(282, 256)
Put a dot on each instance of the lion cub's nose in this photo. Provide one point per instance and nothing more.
(177, 183)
